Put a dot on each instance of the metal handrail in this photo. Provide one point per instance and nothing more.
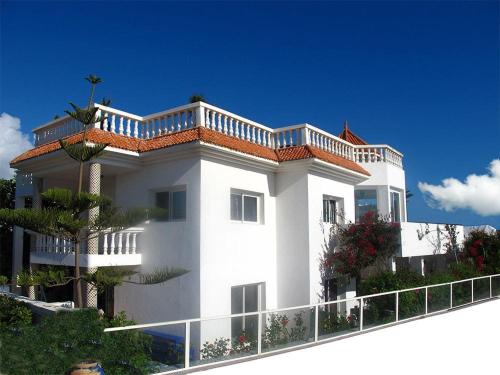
(361, 299)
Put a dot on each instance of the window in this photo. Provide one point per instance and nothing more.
(395, 207)
(365, 201)
(174, 204)
(329, 210)
(246, 299)
(244, 207)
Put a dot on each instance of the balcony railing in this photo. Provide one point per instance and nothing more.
(313, 324)
(114, 248)
(205, 115)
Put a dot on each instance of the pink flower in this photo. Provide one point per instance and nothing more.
(242, 339)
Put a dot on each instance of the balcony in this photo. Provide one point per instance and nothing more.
(205, 115)
(114, 249)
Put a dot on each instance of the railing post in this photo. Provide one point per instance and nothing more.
(316, 324)
(491, 286)
(451, 295)
(304, 136)
(187, 344)
(397, 306)
(361, 314)
(259, 334)
(472, 290)
(426, 300)
(199, 114)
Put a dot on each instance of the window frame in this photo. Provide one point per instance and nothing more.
(261, 300)
(391, 207)
(171, 191)
(372, 189)
(242, 194)
(336, 204)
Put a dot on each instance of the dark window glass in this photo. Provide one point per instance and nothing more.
(163, 202)
(395, 207)
(179, 205)
(236, 207)
(250, 208)
(329, 211)
(365, 201)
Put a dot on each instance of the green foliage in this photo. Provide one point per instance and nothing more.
(50, 276)
(277, 331)
(108, 277)
(354, 247)
(218, 348)
(13, 314)
(4, 280)
(7, 193)
(331, 322)
(482, 250)
(82, 151)
(62, 339)
(161, 275)
(196, 98)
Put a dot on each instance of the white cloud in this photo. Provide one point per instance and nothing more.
(479, 193)
(12, 143)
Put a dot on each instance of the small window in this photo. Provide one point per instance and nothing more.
(395, 207)
(244, 207)
(174, 204)
(365, 201)
(329, 210)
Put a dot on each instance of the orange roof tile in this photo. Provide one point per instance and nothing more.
(349, 136)
(191, 135)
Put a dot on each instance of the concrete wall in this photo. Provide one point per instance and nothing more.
(174, 244)
(384, 178)
(292, 233)
(430, 243)
(318, 186)
(234, 253)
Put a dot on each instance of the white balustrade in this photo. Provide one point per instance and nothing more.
(377, 154)
(119, 243)
(110, 243)
(216, 119)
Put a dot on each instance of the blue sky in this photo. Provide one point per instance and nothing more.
(420, 76)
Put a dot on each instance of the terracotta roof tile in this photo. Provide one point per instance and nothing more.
(349, 136)
(337, 160)
(191, 135)
(233, 143)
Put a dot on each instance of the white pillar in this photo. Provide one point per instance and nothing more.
(90, 293)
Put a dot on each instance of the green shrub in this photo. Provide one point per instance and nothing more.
(13, 314)
(62, 339)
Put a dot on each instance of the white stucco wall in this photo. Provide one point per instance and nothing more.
(431, 243)
(234, 253)
(386, 177)
(173, 244)
(292, 232)
(318, 186)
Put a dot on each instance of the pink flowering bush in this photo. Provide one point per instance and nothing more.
(359, 245)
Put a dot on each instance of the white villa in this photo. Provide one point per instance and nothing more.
(245, 205)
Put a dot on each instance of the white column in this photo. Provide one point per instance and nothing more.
(90, 297)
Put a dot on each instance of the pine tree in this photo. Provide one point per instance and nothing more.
(65, 214)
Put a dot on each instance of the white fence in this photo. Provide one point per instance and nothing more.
(313, 326)
(217, 119)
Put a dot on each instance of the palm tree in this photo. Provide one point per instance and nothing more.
(196, 98)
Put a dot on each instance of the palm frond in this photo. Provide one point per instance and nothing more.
(83, 152)
(93, 79)
(86, 116)
(161, 275)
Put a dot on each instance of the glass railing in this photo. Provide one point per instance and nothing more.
(200, 343)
